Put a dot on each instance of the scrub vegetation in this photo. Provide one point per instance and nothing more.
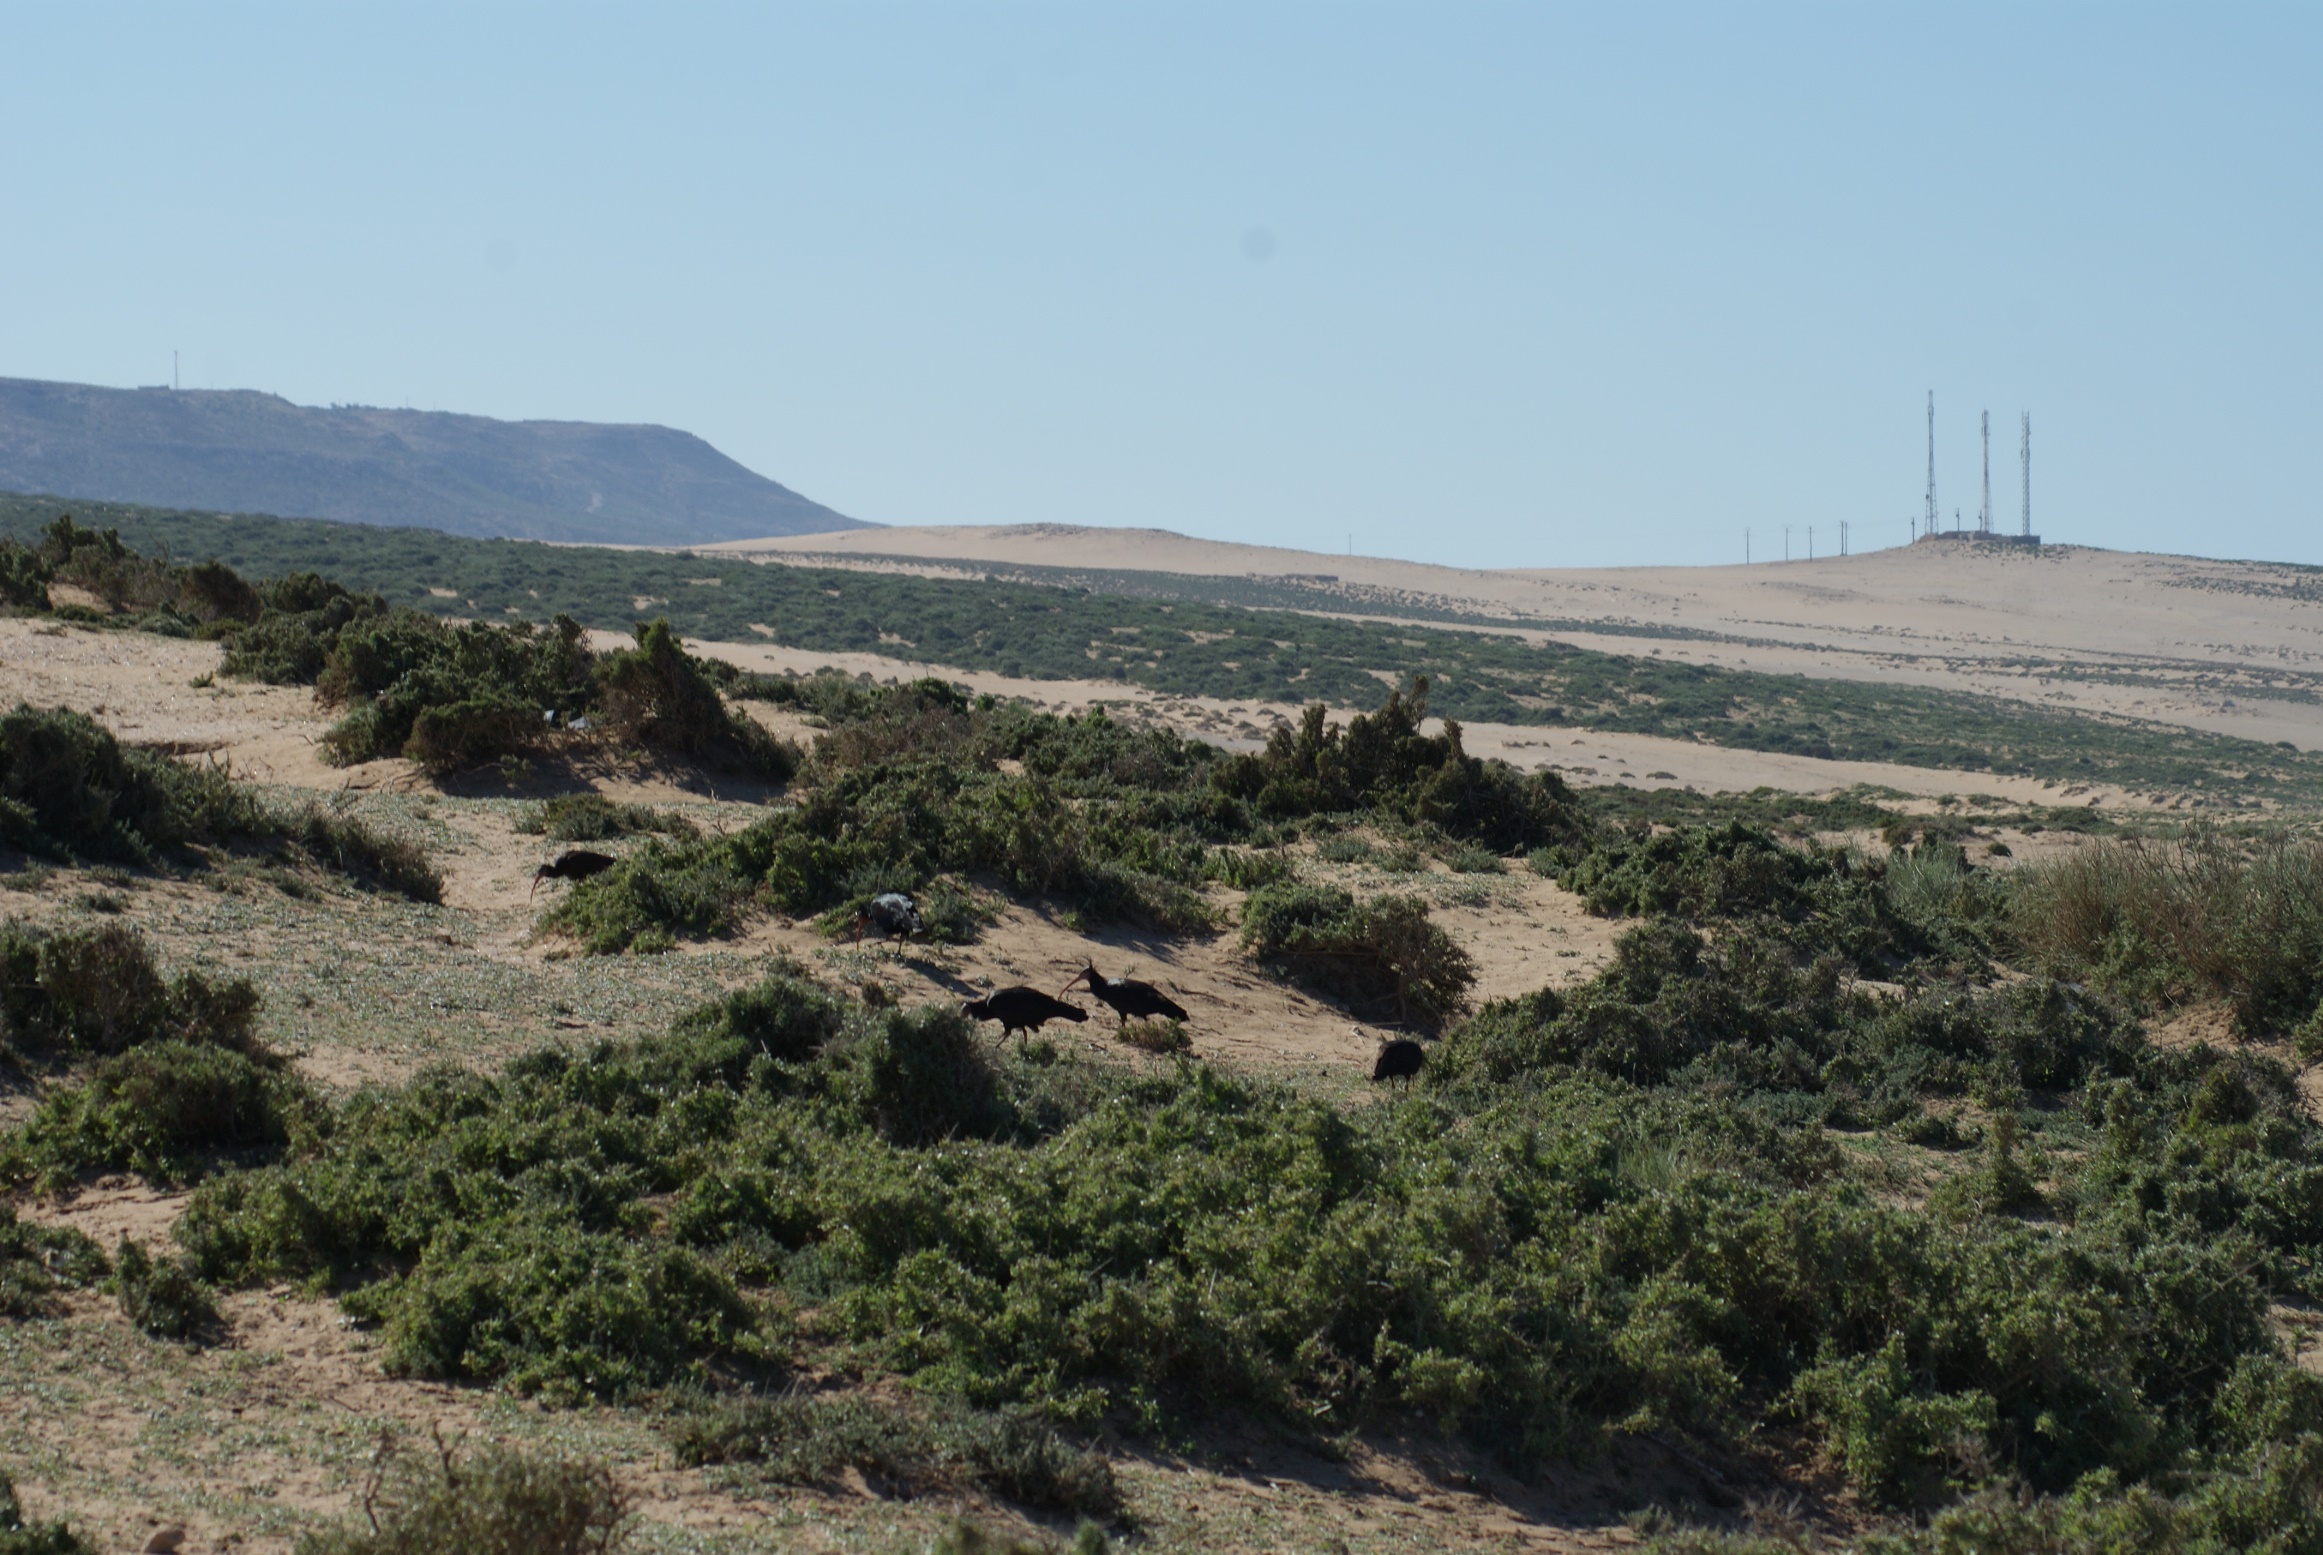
(1855, 1166)
(1191, 647)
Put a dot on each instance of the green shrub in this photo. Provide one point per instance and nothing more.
(658, 696)
(1899, 1445)
(546, 1307)
(783, 1018)
(1155, 1036)
(354, 848)
(692, 888)
(472, 732)
(162, 1296)
(925, 1078)
(1469, 859)
(2174, 920)
(594, 818)
(493, 1501)
(1381, 957)
(67, 786)
(18, 1537)
(24, 577)
(1381, 761)
(934, 1448)
(97, 991)
(165, 1110)
(37, 1261)
(1534, 1250)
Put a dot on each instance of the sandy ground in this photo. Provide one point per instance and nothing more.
(2231, 647)
(143, 689)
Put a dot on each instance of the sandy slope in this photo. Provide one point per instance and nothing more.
(2234, 647)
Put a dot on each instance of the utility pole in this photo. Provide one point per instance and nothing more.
(173, 371)
(1843, 537)
(1786, 542)
(1746, 548)
(1810, 542)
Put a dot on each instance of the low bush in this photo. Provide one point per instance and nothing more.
(358, 850)
(2169, 921)
(37, 1262)
(1382, 958)
(659, 696)
(594, 818)
(68, 787)
(169, 1111)
(162, 1296)
(1155, 1036)
(931, 1447)
(545, 1306)
(18, 1537)
(1381, 761)
(97, 992)
(493, 1501)
(1534, 1249)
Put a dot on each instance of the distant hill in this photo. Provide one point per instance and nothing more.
(244, 451)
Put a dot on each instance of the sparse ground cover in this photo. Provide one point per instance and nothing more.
(1814, 1209)
(1194, 648)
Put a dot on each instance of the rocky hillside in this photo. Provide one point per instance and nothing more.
(251, 452)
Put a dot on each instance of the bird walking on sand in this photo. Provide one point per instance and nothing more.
(1399, 1060)
(893, 914)
(1021, 1009)
(1128, 998)
(572, 864)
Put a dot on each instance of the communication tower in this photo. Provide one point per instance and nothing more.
(2028, 463)
(1984, 515)
(1931, 529)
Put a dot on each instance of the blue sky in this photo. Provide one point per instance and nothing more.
(1490, 285)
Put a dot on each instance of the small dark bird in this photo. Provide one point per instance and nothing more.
(1131, 1000)
(1399, 1060)
(572, 864)
(1021, 1009)
(893, 914)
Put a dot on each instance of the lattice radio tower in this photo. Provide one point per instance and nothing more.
(2028, 463)
(1931, 529)
(1984, 517)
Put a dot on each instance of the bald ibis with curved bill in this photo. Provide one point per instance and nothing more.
(893, 914)
(1128, 998)
(1399, 1060)
(1021, 1009)
(572, 864)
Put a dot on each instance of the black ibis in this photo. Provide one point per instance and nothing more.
(1399, 1060)
(1021, 1009)
(572, 864)
(893, 914)
(1129, 999)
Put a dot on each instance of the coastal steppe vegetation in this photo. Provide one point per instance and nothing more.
(1872, 1175)
(1194, 648)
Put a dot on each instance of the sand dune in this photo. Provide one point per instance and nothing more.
(2230, 647)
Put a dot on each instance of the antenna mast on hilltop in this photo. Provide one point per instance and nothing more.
(1984, 518)
(2028, 459)
(1931, 461)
